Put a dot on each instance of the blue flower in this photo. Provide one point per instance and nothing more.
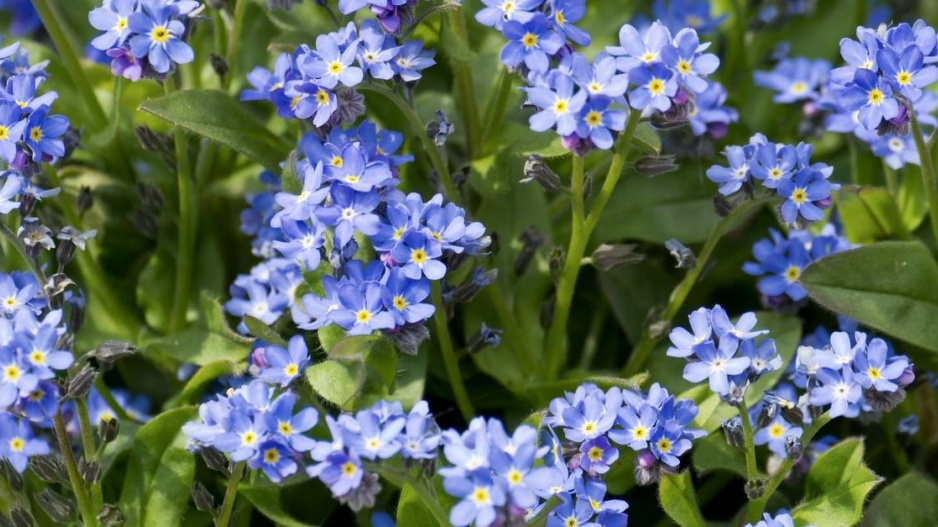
(781, 519)
(763, 357)
(361, 311)
(908, 425)
(275, 460)
(711, 116)
(588, 419)
(513, 468)
(479, 497)
(717, 364)
(356, 172)
(404, 298)
(411, 60)
(497, 12)
(531, 43)
(158, 37)
(795, 79)
(308, 100)
(376, 51)
(341, 471)
(265, 82)
(351, 211)
(838, 389)
(245, 436)
(896, 150)
(668, 443)
(875, 371)
(421, 437)
(261, 302)
(15, 376)
(636, 49)
(329, 66)
(637, 426)
(857, 55)
(677, 14)
(655, 85)
(10, 189)
(18, 443)
(906, 71)
(597, 455)
(285, 364)
(741, 330)
(600, 78)
(774, 164)
(571, 512)
(565, 13)
(418, 256)
(872, 96)
(303, 244)
(801, 195)
(39, 351)
(43, 133)
(21, 90)
(302, 206)
(683, 341)
(784, 263)
(685, 58)
(731, 178)
(559, 105)
(598, 121)
(112, 18)
(42, 403)
(289, 428)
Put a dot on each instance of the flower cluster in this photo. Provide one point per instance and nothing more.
(391, 14)
(317, 84)
(144, 37)
(780, 261)
(656, 425)
(784, 169)
(724, 353)
(584, 101)
(678, 14)
(346, 206)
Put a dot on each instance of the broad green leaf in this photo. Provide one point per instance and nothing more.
(910, 501)
(714, 453)
(354, 347)
(911, 197)
(383, 359)
(887, 286)
(540, 393)
(870, 215)
(160, 471)
(217, 116)
(155, 289)
(330, 335)
(121, 444)
(263, 331)
(676, 492)
(337, 382)
(841, 482)
(647, 138)
(267, 502)
(208, 340)
(289, 179)
(412, 512)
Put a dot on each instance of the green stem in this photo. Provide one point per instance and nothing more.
(496, 112)
(86, 431)
(582, 228)
(928, 173)
(187, 226)
(757, 507)
(66, 44)
(464, 85)
(449, 356)
(420, 129)
(74, 476)
(643, 349)
(752, 473)
(892, 180)
(231, 492)
(234, 40)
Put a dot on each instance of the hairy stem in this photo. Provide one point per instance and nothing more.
(231, 492)
(450, 361)
(86, 430)
(74, 476)
(928, 173)
(752, 473)
(643, 349)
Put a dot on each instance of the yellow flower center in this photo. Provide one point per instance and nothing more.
(595, 453)
(418, 256)
(335, 68)
(106, 416)
(515, 477)
(775, 173)
(271, 456)
(867, 64)
(594, 119)
(349, 469)
(285, 428)
(683, 66)
(37, 357)
(649, 56)
(529, 40)
(363, 316)
(589, 427)
(336, 162)
(121, 24)
(37, 395)
(322, 97)
(904, 78)
(875, 96)
(508, 7)
(373, 444)
(4, 133)
(664, 445)
(792, 273)
(640, 432)
(561, 106)
(291, 370)
(776, 430)
(352, 179)
(160, 34)
(594, 87)
(400, 303)
(21, 104)
(9, 302)
(249, 438)
(571, 522)
(799, 87)
(36, 134)
(12, 373)
(799, 196)
(294, 101)
(874, 374)
(17, 444)
(559, 18)
(398, 233)
(480, 496)
(436, 236)
(656, 86)
(694, 21)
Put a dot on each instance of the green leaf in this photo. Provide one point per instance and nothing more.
(840, 481)
(208, 340)
(160, 471)
(714, 453)
(647, 138)
(540, 393)
(676, 492)
(337, 382)
(267, 502)
(911, 197)
(263, 331)
(355, 347)
(289, 179)
(411, 511)
(887, 286)
(870, 215)
(910, 501)
(217, 116)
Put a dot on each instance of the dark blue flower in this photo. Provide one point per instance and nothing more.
(685, 57)
(872, 96)
(558, 104)
(159, 37)
(404, 298)
(565, 13)
(530, 43)
(418, 254)
(18, 443)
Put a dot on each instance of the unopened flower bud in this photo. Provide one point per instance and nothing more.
(607, 257)
(55, 505)
(149, 195)
(733, 431)
(440, 128)
(547, 310)
(471, 286)
(80, 382)
(530, 240)
(111, 515)
(351, 106)
(555, 261)
(90, 470)
(145, 222)
(793, 447)
(722, 206)
(27, 204)
(85, 199)
(219, 64)
(76, 313)
(906, 378)
(755, 488)
(21, 518)
(655, 165)
(409, 337)
(684, 256)
(11, 475)
(203, 499)
(108, 430)
(49, 468)
(111, 351)
(766, 414)
(537, 171)
(484, 338)
(883, 401)
(214, 459)
(64, 253)
(460, 176)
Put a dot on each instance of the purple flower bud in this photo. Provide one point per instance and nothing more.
(259, 358)
(646, 459)
(824, 203)
(907, 377)
(717, 131)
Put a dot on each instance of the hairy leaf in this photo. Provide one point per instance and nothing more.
(676, 492)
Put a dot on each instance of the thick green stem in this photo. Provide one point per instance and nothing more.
(928, 173)
(582, 228)
(752, 473)
(496, 112)
(86, 430)
(88, 516)
(234, 40)
(231, 492)
(67, 45)
(643, 349)
(757, 507)
(187, 227)
(464, 86)
(450, 361)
